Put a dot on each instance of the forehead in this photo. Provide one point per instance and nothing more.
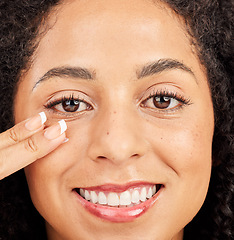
(92, 17)
(92, 25)
(120, 10)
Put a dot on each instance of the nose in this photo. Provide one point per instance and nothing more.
(117, 137)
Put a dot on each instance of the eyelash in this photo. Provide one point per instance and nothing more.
(166, 93)
(55, 102)
(159, 93)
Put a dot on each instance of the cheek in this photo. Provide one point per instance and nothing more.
(56, 168)
(185, 146)
(185, 149)
(192, 150)
(190, 157)
(192, 162)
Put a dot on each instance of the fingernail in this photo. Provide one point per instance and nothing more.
(36, 122)
(56, 130)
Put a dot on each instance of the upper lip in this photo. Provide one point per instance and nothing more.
(117, 187)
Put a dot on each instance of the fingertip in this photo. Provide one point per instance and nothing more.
(43, 117)
(63, 126)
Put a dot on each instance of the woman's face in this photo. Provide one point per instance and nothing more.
(130, 86)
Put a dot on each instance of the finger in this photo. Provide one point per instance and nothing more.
(22, 130)
(29, 150)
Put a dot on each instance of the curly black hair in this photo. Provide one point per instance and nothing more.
(210, 23)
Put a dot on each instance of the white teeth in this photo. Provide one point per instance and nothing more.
(94, 197)
(150, 193)
(113, 199)
(87, 195)
(102, 198)
(143, 194)
(135, 196)
(125, 198)
(82, 192)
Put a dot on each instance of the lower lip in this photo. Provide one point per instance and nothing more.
(115, 214)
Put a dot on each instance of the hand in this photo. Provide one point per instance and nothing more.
(28, 141)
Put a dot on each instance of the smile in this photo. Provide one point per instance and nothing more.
(119, 203)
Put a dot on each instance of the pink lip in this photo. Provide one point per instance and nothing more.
(115, 214)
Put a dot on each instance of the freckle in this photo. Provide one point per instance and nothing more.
(114, 112)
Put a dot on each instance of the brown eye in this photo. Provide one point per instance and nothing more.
(161, 102)
(71, 105)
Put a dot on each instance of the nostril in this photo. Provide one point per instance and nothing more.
(113, 158)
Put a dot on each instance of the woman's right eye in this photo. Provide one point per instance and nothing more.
(68, 105)
(72, 106)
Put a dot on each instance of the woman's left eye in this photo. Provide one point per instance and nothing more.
(161, 102)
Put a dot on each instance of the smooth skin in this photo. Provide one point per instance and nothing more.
(118, 134)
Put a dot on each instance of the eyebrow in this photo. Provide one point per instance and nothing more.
(83, 73)
(161, 66)
(67, 72)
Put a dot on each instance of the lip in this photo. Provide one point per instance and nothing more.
(116, 214)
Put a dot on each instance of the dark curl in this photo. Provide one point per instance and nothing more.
(210, 23)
